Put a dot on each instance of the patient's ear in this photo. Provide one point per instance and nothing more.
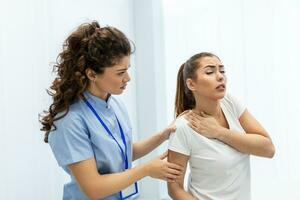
(190, 84)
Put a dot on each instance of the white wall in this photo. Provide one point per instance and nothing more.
(258, 42)
(31, 36)
(150, 76)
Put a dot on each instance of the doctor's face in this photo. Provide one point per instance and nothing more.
(211, 79)
(114, 79)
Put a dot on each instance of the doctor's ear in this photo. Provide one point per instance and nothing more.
(190, 84)
(91, 74)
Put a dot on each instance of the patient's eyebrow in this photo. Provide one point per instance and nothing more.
(213, 66)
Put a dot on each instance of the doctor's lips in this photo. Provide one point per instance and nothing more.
(221, 86)
(124, 86)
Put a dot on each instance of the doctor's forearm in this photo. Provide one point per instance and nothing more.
(104, 185)
(249, 143)
(144, 147)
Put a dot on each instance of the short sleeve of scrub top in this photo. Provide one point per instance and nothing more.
(71, 143)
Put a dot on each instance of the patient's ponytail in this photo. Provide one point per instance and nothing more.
(185, 99)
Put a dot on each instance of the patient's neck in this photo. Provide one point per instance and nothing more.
(209, 106)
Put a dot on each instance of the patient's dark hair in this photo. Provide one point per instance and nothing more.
(184, 99)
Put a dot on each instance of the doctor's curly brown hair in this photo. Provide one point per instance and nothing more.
(90, 46)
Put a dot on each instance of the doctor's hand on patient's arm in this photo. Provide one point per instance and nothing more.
(161, 169)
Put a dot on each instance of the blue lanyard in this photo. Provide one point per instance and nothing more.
(124, 154)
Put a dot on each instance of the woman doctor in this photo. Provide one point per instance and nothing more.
(216, 138)
(88, 128)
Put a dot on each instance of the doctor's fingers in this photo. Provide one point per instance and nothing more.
(174, 167)
(170, 177)
(169, 180)
(163, 156)
(174, 172)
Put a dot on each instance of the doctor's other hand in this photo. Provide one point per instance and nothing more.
(161, 169)
(172, 127)
(165, 134)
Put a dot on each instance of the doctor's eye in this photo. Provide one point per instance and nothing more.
(120, 73)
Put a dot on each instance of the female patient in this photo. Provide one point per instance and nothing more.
(216, 138)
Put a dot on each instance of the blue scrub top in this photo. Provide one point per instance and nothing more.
(80, 136)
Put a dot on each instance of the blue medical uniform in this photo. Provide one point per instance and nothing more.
(79, 136)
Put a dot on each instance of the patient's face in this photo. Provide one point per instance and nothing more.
(211, 79)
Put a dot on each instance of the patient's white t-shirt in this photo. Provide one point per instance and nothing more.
(218, 171)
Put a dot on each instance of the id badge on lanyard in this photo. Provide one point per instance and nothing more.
(129, 191)
(132, 189)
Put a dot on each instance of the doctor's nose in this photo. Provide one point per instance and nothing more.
(127, 77)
